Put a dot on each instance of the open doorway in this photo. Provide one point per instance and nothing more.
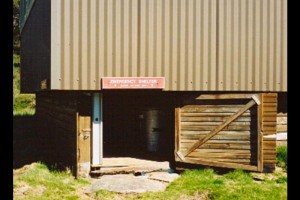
(138, 124)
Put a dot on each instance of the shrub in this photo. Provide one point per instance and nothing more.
(282, 156)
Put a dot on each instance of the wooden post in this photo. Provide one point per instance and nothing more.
(259, 136)
(77, 147)
(177, 134)
(97, 132)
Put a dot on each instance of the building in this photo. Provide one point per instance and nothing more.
(201, 77)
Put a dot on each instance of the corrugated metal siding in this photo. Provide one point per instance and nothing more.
(178, 40)
(252, 40)
(210, 45)
(93, 39)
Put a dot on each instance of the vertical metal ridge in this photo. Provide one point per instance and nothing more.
(209, 46)
(97, 44)
(281, 44)
(213, 51)
(275, 46)
(80, 46)
(242, 68)
(138, 38)
(62, 42)
(186, 50)
(202, 46)
(278, 30)
(171, 46)
(231, 76)
(122, 39)
(253, 80)
(154, 72)
(75, 37)
(239, 45)
(93, 44)
(225, 46)
(268, 45)
(71, 15)
(285, 46)
(84, 49)
(194, 46)
(217, 42)
(88, 80)
(272, 49)
(282, 71)
(67, 43)
(260, 85)
(247, 46)
(142, 42)
(163, 41)
(264, 8)
(105, 37)
(113, 55)
(147, 40)
(130, 39)
(178, 44)
(154, 38)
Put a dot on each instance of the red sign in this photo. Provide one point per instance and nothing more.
(133, 82)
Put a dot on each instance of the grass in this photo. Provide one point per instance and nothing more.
(282, 156)
(206, 182)
(23, 104)
(233, 185)
(38, 182)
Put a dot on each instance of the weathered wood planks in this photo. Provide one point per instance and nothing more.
(282, 122)
(237, 143)
(56, 113)
(269, 126)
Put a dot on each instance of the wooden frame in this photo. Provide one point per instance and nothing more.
(183, 155)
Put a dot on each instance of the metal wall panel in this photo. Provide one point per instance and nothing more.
(209, 45)
(252, 45)
(92, 39)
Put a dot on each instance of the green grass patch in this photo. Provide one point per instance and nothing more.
(192, 184)
(233, 185)
(41, 183)
(23, 104)
(282, 156)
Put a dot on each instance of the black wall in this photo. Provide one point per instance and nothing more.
(35, 47)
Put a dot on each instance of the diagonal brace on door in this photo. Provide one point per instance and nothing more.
(200, 142)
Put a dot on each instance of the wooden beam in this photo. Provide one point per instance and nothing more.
(259, 137)
(219, 128)
(225, 96)
(256, 98)
(180, 156)
(177, 130)
(220, 164)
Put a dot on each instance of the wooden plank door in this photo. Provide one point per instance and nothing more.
(220, 132)
(83, 139)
